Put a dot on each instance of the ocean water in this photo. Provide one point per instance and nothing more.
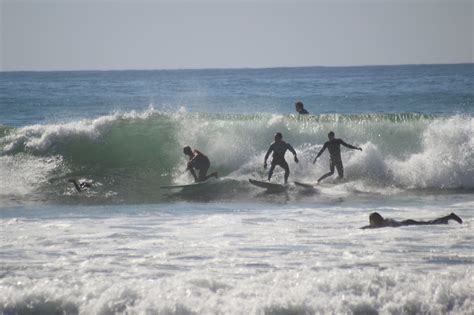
(125, 246)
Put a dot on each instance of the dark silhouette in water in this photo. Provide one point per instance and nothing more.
(299, 107)
(334, 148)
(377, 221)
(80, 187)
(198, 161)
(279, 148)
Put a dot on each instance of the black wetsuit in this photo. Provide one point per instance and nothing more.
(278, 157)
(335, 161)
(394, 223)
(201, 163)
(303, 112)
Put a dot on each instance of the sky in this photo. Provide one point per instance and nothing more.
(163, 34)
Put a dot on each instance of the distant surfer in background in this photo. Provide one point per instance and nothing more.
(279, 148)
(81, 186)
(200, 162)
(334, 148)
(300, 108)
(377, 221)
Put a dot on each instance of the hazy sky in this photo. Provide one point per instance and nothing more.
(71, 34)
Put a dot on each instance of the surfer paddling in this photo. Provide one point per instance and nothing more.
(279, 148)
(200, 162)
(377, 221)
(335, 161)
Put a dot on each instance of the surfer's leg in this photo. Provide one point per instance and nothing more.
(270, 171)
(340, 168)
(203, 174)
(413, 222)
(445, 219)
(285, 166)
(331, 171)
(191, 170)
(454, 217)
(213, 174)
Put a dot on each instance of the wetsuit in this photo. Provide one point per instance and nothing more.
(200, 162)
(335, 161)
(303, 112)
(278, 157)
(394, 223)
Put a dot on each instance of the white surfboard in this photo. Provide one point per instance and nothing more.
(268, 186)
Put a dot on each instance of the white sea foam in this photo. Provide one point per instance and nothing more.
(235, 259)
(22, 174)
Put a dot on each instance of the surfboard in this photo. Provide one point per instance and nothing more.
(267, 185)
(305, 185)
(184, 186)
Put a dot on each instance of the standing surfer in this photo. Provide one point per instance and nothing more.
(279, 148)
(334, 148)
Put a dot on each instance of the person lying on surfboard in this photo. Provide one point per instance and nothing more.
(377, 221)
(335, 161)
(279, 148)
(200, 162)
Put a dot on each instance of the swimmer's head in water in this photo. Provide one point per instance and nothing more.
(375, 219)
(278, 136)
(299, 105)
(187, 150)
(331, 135)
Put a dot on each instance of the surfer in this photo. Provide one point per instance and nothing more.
(300, 108)
(377, 221)
(334, 148)
(198, 161)
(80, 187)
(279, 148)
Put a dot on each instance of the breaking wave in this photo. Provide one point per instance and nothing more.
(129, 155)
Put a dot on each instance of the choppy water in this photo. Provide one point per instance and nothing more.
(125, 246)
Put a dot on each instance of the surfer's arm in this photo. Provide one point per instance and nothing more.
(350, 146)
(320, 152)
(191, 160)
(292, 150)
(270, 149)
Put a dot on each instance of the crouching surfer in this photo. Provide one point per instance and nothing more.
(200, 162)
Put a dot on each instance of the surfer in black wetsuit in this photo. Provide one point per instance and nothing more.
(198, 161)
(334, 148)
(279, 148)
(80, 187)
(377, 221)
(300, 108)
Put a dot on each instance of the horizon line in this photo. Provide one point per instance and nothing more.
(243, 68)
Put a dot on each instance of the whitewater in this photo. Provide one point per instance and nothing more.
(125, 246)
